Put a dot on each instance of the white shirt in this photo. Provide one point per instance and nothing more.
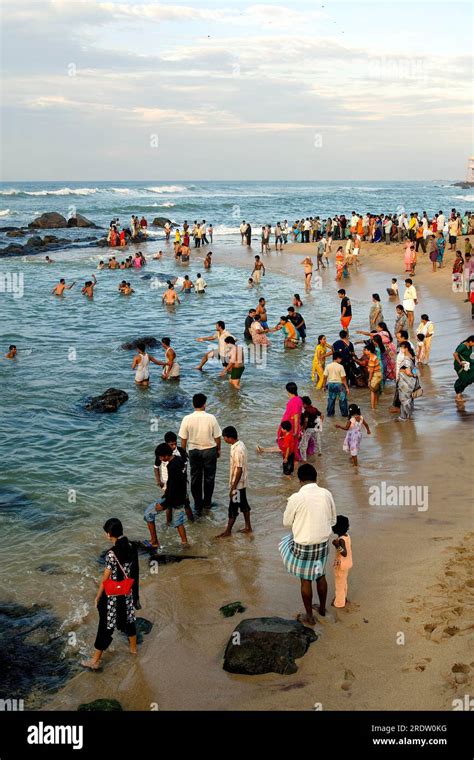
(200, 429)
(426, 328)
(200, 284)
(441, 218)
(223, 346)
(409, 298)
(310, 513)
(307, 224)
(238, 458)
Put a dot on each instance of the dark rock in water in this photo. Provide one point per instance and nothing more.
(465, 185)
(80, 221)
(144, 626)
(160, 221)
(50, 568)
(148, 340)
(49, 221)
(109, 401)
(165, 559)
(12, 248)
(103, 243)
(147, 276)
(33, 242)
(267, 645)
(27, 666)
(229, 610)
(16, 233)
(14, 503)
(175, 401)
(104, 705)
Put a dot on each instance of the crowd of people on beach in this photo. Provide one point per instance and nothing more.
(392, 354)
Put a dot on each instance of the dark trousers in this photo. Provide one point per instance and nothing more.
(203, 463)
(104, 634)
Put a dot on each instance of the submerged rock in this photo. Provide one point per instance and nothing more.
(109, 401)
(174, 401)
(16, 233)
(31, 656)
(229, 610)
(148, 340)
(267, 645)
(49, 221)
(50, 568)
(104, 705)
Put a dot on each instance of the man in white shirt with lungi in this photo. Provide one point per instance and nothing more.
(310, 513)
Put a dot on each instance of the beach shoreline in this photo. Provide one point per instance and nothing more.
(401, 587)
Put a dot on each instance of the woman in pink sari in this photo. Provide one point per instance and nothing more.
(293, 411)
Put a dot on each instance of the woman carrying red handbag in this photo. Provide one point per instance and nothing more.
(117, 596)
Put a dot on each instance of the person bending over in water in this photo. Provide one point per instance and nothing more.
(170, 297)
(11, 352)
(48, 260)
(59, 289)
(88, 289)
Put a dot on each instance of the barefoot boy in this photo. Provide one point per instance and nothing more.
(238, 482)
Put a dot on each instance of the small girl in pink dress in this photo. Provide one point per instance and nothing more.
(342, 561)
(354, 432)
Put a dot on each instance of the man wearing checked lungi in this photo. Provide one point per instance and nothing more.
(310, 513)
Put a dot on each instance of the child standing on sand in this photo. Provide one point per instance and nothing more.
(354, 432)
(342, 561)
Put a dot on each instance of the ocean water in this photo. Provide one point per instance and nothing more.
(65, 471)
(224, 204)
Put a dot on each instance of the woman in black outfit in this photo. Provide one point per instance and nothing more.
(116, 611)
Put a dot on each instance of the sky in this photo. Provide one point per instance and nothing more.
(235, 90)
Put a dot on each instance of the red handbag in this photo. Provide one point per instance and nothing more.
(118, 588)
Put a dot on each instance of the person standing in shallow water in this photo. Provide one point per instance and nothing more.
(116, 612)
(310, 513)
(464, 366)
(238, 482)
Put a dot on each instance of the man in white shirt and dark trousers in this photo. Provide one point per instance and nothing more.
(310, 513)
(238, 482)
(201, 437)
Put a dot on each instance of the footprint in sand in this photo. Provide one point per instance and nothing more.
(460, 672)
(349, 678)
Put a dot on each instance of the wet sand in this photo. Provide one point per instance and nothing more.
(402, 643)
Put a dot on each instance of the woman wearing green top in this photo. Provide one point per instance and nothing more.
(464, 366)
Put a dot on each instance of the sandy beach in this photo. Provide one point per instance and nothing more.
(403, 641)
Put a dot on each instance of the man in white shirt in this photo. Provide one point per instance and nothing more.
(201, 437)
(243, 230)
(335, 381)
(222, 351)
(200, 284)
(310, 513)
(238, 482)
(409, 300)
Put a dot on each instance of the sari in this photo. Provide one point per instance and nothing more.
(375, 315)
(405, 387)
(390, 356)
(378, 231)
